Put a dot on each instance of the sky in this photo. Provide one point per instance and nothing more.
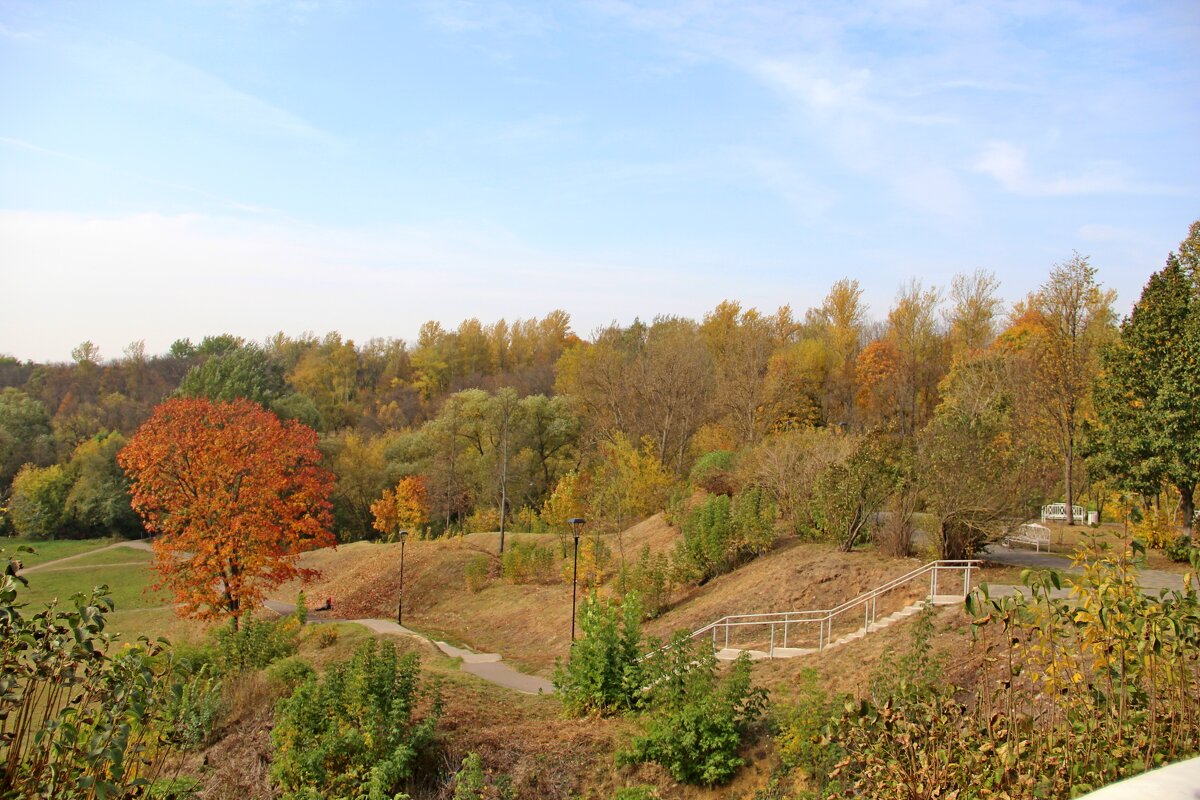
(175, 169)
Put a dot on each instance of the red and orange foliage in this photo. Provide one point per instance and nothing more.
(402, 509)
(235, 495)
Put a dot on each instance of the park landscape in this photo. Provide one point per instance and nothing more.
(310, 568)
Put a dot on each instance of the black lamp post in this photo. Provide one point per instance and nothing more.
(400, 606)
(576, 523)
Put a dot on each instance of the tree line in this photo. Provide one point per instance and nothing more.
(954, 404)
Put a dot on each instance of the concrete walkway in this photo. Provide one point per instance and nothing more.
(1150, 579)
(133, 544)
(488, 666)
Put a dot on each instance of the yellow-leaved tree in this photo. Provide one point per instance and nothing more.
(405, 508)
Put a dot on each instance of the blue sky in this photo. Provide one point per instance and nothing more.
(174, 169)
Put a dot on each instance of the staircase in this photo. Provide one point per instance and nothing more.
(788, 634)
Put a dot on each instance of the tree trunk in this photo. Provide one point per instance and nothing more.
(1187, 505)
(1070, 489)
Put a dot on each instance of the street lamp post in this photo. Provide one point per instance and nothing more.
(576, 523)
(400, 605)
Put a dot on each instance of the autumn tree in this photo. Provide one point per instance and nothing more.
(25, 434)
(243, 371)
(913, 333)
(234, 494)
(840, 323)
(404, 508)
(973, 312)
(1147, 397)
(978, 467)
(1074, 319)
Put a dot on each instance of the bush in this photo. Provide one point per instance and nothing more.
(602, 674)
(1180, 550)
(482, 520)
(255, 643)
(477, 573)
(195, 706)
(800, 726)
(636, 793)
(699, 721)
(650, 578)
(469, 781)
(284, 676)
(180, 788)
(713, 472)
(527, 562)
(326, 636)
(88, 723)
(722, 533)
(356, 732)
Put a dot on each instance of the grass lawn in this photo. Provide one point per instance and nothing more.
(49, 550)
(117, 555)
(127, 585)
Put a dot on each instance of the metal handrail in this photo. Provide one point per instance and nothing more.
(826, 616)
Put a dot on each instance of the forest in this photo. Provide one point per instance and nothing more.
(953, 405)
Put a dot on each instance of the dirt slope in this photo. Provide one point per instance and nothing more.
(531, 624)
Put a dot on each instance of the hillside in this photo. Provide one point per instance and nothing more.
(530, 624)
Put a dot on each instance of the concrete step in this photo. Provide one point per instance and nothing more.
(793, 652)
(732, 653)
(947, 599)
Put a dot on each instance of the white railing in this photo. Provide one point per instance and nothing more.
(1058, 511)
(781, 623)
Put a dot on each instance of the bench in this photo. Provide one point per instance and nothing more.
(1058, 512)
(1030, 533)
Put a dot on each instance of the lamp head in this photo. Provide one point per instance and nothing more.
(576, 523)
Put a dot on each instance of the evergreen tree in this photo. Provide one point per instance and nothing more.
(1148, 397)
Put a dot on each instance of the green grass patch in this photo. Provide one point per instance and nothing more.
(128, 586)
(117, 555)
(49, 550)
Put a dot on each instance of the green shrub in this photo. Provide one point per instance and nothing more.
(1180, 549)
(722, 533)
(800, 725)
(602, 674)
(326, 636)
(89, 723)
(289, 673)
(650, 578)
(476, 573)
(699, 721)
(195, 706)
(713, 472)
(355, 732)
(636, 793)
(528, 562)
(470, 782)
(183, 787)
(255, 643)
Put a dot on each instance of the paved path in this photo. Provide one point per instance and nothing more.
(135, 544)
(489, 666)
(1152, 579)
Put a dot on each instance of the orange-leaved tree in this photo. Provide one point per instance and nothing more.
(234, 494)
(403, 508)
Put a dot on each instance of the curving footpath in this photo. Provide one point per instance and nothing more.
(1149, 579)
(488, 666)
(134, 544)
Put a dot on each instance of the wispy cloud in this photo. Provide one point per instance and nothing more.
(461, 16)
(151, 75)
(218, 200)
(1008, 165)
